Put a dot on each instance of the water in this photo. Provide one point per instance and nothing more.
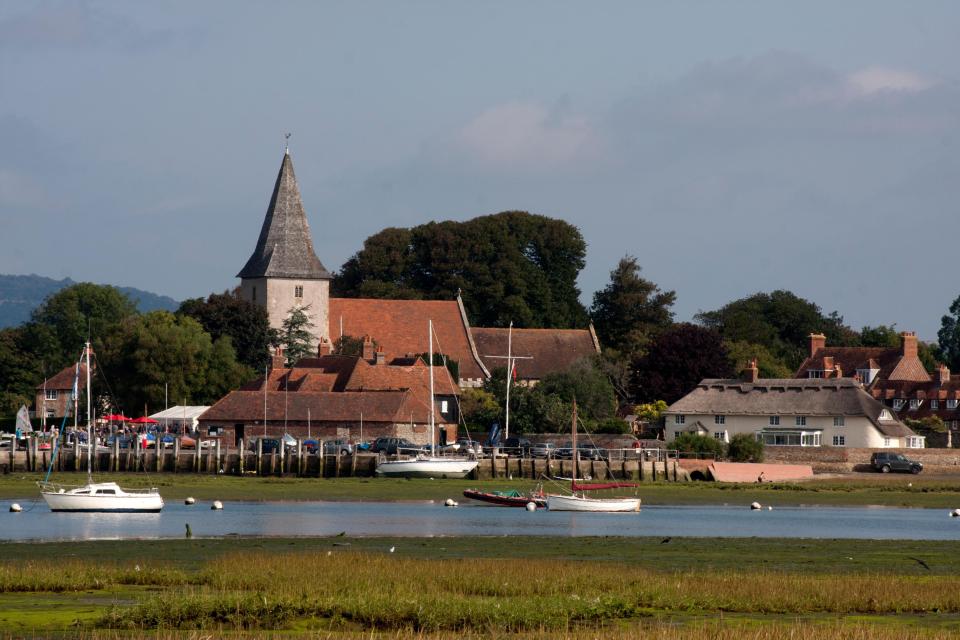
(433, 519)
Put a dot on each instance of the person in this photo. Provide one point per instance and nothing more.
(760, 478)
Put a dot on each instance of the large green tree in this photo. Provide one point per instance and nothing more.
(677, 360)
(295, 336)
(247, 324)
(630, 309)
(161, 351)
(780, 321)
(949, 336)
(508, 266)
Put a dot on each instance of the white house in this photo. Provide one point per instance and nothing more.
(812, 412)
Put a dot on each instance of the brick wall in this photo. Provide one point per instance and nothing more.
(836, 458)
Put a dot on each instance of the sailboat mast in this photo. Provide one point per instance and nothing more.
(573, 441)
(506, 429)
(432, 403)
(89, 422)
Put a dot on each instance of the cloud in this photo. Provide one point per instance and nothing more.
(73, 26)
(875, 79)
(521, 135)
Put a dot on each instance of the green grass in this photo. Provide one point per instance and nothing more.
(868, 489)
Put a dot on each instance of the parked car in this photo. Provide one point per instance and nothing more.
(516, 446)
(311, 446)
(270, 445)
(543, 450)
(333, 447)
(465, 446)
(587, 450)
(887, 462)
(392, 446)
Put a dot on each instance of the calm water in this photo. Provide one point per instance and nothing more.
(434, 519)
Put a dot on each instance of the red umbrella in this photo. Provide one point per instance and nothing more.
(145, 420)
(116, 417)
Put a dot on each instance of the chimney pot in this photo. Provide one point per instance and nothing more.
(751, 373)
(381, 357)
(277, 360)
(367, 348)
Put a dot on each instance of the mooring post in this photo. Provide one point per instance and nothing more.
(196, 453)
(353, 463)
(241, 452)
(299, 457)
(323, 460)
(116, 454)
(136, 453)
(76, 453)
(336, 473)
(259, 456)
(217, 445)
(176, 454)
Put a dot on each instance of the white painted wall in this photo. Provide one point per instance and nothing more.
(858, 431)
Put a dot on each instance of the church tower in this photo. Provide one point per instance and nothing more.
(284, 271)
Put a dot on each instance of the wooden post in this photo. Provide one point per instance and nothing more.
(116, 453)
(353, 463)
(323, 460)
(217, 445)
(158, 445)
(196, 454)
(13, 454)
(493, 464)
(76, 453)
(242, 451)
(336, 471)
(136, 452)
(259, 456)
(176, 454)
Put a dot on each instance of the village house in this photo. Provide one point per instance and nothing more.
(54, 396)
(284, 272)
(894, 376)
(332, 396)
(801, 412)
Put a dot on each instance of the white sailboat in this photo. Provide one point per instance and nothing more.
(97, 496)
(581, 502)
(431, 466)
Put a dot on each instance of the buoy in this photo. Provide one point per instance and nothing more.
(190, 501)
(217, 505)
(15, 508)
(756, 506)
(531, 506)
(450, 502)
(769, 507)
(953, 514)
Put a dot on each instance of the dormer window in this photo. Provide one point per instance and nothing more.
(774, 421)
(897, 404)
(914, 404)
(298, 291)
(951, 404)
(934, 404)
(815, 373)
(885, 415)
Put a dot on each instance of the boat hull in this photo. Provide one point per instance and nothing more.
(578, 503)
(427, 468)
(505, 501)
(100, 498)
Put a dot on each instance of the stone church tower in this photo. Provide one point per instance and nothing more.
(284, 271)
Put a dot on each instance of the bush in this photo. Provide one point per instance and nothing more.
(612, 425)
(744, 447)
(692, 443)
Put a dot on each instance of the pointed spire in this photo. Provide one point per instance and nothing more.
(285, 247)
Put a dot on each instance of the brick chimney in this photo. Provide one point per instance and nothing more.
(908, 344)
(943, 374)
(381, 357)
(367, 348)
(324, 348)
(278, 360)
(827, 366)
(751, 372)
(817, 341)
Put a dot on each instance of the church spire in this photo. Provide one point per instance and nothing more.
(285, 248)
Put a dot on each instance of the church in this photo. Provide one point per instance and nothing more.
(383, 388)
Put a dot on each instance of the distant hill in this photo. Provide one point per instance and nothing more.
(20, 295)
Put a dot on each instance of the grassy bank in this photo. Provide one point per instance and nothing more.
(490, 587)
(869, 489)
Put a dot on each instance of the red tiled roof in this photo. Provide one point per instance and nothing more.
(890, 361)
(551, 349)
(64, 379)
(416, 376)
(400, 328)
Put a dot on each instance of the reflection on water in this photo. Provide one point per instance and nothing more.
(434, 519)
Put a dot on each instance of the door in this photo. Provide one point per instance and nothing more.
(238, 430)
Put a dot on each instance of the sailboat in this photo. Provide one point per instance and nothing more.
(430, 466)
(581, 502)
(97, 496)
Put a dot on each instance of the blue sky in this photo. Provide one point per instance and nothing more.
(732, 147)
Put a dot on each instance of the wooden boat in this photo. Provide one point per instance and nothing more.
(582, 502)
(512, 498)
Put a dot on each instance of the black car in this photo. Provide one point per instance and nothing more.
(887, 462)
(519, 446)
(392, 446)
(587, 451)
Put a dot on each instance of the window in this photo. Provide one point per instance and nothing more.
(815, 373)
(719, 419)
(839, 441)
(50, 413)
(774, 421)
(298, 291)
(915, 442)
(886, 442)
(254, 295)
(951, 404)
(885, 415)
(810, 439)
(51, 394)
(934, 404)
(444, 406)
(214, 431)
(720, 435)
(838, 421)
(801, 421)
(914, 404)
(790, 438)
(897, 404)
(679, 419)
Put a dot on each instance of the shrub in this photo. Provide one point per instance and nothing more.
(692, 443)
(744, 447)
(612, 425)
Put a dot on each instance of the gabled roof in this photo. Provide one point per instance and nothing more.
(285, 247)
(64, 378)
(399, 327)
(376, 406)
(890, 362)
(549, 350)
(789, 396)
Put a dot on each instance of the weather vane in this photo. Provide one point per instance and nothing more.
(286, 145)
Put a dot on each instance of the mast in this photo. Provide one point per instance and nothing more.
(506, 430)
(432, 436)
(573, 441)
(89, 423)
(266, 377)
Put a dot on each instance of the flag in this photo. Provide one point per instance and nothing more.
(514, 372)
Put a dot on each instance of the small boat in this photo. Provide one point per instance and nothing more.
(512, 498)
(582, 502)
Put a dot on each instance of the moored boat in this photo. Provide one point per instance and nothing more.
(100, 497)
(511, 498)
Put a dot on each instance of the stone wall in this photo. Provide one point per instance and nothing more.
(836, 459)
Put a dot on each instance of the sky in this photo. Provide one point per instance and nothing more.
(732, 147)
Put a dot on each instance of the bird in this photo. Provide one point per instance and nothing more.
(392, 549)
(665, 540)
(920, 562)
(189, 532)
(341, 534)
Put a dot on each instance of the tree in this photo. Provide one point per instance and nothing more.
(880, 336)
(479, 409)
(630, 309)
(949, 336)
(295, 335)
(440, 360)
(742, 353)
(780, 321)
(677, 360)
(743, 447)
(160, 355)
(699, 445)
(651, 412)
(245, 322)
(595, 398)
(508, 266)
